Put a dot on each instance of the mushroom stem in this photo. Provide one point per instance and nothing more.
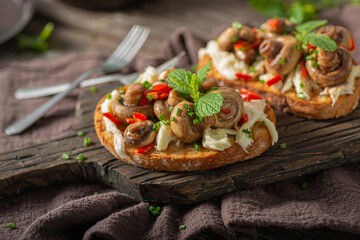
(269, 48)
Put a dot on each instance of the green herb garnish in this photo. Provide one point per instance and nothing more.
(108, 96)
(161, 117)
(178, 111)
(195, 121)
(235, 39)
(249, 133)
(36, 43)
(252, 69)
(298, 47)
(282, 61)
(197, 147)
(149, 97)
(237, 25)
(171, 109)
(182, 227)
(300, 95)
(154, 211)
(80, 133)
(80, 157)
(147, 85)
(301, 85)
(162, 80)
(11, 225)
(262, 81)
(182, 81)
(96, 193)
(65, 156)
(156, 126)
(93, 89)
(194, 68)
(314, 64)
(304, 185)
(87, 142)
(283, 145)
(263, 123)
(308, 57)
(172, 119)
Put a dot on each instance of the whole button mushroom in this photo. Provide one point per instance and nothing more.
(280, 54)
(339, 34)
(227, 37)
(231, 110)
(332, 68)
(161, 107)
(183, 126)
(140, 134)
(133, 94)
(122, 111)
(209, 83)
(278, 26)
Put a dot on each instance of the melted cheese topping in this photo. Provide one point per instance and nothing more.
(149, 75)
(225, 62)
(345, 88)
(164, 137)
(119, 144)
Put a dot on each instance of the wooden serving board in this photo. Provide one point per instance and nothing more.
(311, 146)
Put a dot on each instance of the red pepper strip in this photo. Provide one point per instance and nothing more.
(146, 148)
(162, 88)
(274, 80)
(248, 95)
(226, 111)
(111, 117)
(304, 73)
(352, 45)
(244, 119)
(273, 23)
(139, 116)
(310, 46)
(130, 120)
(255, 44)
(244, 76)
(144, 101)
(241, 44)
(163, 95)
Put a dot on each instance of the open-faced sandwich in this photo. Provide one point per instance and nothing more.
(304, 69)
(178, 121)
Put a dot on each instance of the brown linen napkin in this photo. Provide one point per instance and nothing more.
(332, 199)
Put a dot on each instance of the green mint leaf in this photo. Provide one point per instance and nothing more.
(310, 25)
(178, 80)
(321, 41)
(269, 8)
(296, 11)
(208, 104)
(202, 73)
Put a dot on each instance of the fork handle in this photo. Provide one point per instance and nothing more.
(24, 123)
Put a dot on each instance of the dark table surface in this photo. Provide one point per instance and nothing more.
(79, 30)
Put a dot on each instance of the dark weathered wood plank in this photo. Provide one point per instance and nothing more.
(311, 146)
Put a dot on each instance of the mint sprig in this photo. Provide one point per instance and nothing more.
(182, 81)
(309, 26)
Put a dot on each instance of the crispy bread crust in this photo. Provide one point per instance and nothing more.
(318, 107)
(185, 157)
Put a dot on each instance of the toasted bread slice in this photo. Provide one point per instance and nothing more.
(318, 107)
(186, 157)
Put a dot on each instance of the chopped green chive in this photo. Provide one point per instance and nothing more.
(186, 106)
(93, 89)
(161, 117)
(191, 113)
(213, 88)
(65, 156)
(308, 57)
(96, 193)
(252, 69)
(182, 227)
(314, 64)
(156, 126)
(80, 157)
(304, 185)
(172, 119)
(87, 142)
(201, 119)
(196, 147)
(316, 52)
(108, 96)
(301, 85)
(122, 89)
(243, 48)
(300, 95)
(282, 61)
(283, 145)
(149, 97)
(171, 108)
(263, 123)
(178, 111)
(262, 81)
(246, 131)
(155, 211)
(120, 98)
(234, 39)
(236, 25)
(147, 85)
(195, 121)
(80, 133)
(298, 47)
(261, 29)
(11, 225)
(162, 80)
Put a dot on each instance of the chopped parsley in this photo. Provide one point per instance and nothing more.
(196, 147)
(80, 157)
(283, 145)
(87, 142)
(93, 89)
(80, 133)
(65, 156)
(182, 227)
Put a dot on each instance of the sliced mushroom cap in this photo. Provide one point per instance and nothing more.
(231, 110)
(247, 34)
(283, 25)
(338, 34)
(122, 112)
(133, 94)
(183, 126)
(333, 67)
(140, 134)
(280, 54)
(174, 98)
(209, 83)
(226, 39)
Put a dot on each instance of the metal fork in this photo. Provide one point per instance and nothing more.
(28, 93)
(120, 57)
